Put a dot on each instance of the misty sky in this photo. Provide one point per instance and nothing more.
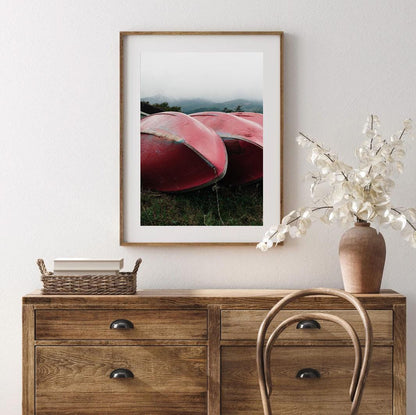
(214, 76)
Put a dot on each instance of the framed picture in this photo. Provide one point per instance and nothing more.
(201, 132)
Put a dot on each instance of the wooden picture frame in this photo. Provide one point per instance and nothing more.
(136, 48)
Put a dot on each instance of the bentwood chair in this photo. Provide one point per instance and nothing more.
(264, 349)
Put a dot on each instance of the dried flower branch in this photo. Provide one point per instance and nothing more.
(355, 194)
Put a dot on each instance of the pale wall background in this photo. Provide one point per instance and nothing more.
(59, 149)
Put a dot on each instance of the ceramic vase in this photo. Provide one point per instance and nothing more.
(362, 254)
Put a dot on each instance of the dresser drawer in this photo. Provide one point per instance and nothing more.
(244, 325)
(76, 380)
(95, 324)
(292, 396)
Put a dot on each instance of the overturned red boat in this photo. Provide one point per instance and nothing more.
(256, 117)
(178, 153)
(244, 143)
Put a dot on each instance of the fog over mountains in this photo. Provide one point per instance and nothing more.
(189, 106)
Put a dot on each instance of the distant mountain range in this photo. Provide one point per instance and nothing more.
(189, 106)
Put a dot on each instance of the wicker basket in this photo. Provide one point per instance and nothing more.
(111, 284)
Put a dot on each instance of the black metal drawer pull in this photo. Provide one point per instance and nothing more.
(308, 373)
(121, 374)
(308, 324)
(121, 324)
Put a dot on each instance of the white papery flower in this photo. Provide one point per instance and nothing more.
(262, 246)
(303, 142)
(282, 229)
(371, 125)
(366, 212)
(347, 194)
(294, 232)
(383, 212)
(337, 194)
(411, 214)
(397, 222)
(280, 237)
(288, 217)
(412, 239)
(271, 232)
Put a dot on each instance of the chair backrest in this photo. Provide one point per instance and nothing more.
(361, 365)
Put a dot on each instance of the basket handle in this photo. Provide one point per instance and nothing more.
(42, 267)
(136, 266)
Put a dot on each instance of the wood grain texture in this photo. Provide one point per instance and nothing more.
(69, 375)
(120, 342)
(282, 126)
(28, 364)
(399, 361)
(200, 33)
(67, 403)
(226, 298)
(291, 396)
(197, 375)
(244, 325)
(305, 342)
(95, 324)
(214, 360)
(121, 132)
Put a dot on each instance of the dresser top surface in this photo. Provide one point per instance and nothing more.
(203, 297)
(226, 292)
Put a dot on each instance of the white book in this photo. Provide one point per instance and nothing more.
(81, 273)
(87, 264)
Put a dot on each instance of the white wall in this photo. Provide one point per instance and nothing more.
(59, 149)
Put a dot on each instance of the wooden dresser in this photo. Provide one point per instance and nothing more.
(193, 352)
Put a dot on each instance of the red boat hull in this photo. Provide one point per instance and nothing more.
(178, 154)
(250, 116)
(244, 143)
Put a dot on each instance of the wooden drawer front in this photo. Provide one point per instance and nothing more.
(244, 325)
(95, 324)
(76, 380)
(291, 396)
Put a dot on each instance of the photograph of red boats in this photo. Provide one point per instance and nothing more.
(201, 139)
(200, 136)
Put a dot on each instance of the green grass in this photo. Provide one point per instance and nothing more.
(226, 206)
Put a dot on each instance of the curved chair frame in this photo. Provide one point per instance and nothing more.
(361, 365)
